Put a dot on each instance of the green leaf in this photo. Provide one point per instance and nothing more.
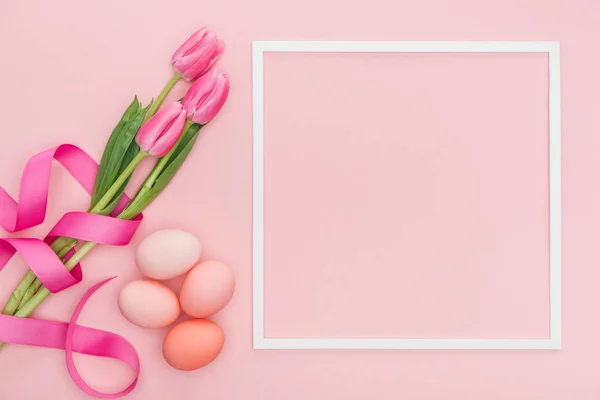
(187, 142)
(118, 153)
(104, 171)
(133, 150)
(145, 196)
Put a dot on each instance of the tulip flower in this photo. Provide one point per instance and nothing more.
(160, 133)
(198, 54)
(206, 96)
(169, 134)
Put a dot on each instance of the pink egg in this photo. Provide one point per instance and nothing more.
(148, 304)
(193, 344)
(206, 289)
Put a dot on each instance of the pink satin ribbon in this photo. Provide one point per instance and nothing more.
(30, 210)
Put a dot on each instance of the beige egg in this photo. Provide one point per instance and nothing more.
(148, 304)
(167, 253)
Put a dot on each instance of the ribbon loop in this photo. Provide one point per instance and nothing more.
(95, 228)
(33, 192)
(73, 338)
(31, 211)
(44, 263)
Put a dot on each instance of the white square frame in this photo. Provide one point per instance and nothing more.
(554, 341)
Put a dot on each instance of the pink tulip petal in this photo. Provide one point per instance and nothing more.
(213, 104)
(206, 97)
(196, 66)
(198, 54)
(164, 143)
(189, 44)
(158, 126)
(199, 91)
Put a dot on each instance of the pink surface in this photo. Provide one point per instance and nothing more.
(390, 200)
(82, 63)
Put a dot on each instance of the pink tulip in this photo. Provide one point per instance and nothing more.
(160, 133)
(206, 96)
(195, 57)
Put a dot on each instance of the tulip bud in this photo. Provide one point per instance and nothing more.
(160, 133)
(206, 96)
(195, 57)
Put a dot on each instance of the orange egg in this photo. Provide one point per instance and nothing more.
(193, 344)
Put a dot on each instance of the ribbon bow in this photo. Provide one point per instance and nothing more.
(30, 210)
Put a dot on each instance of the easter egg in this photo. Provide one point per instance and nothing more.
(148, 304)
(167, 253)
(206, 289)
(193, 344)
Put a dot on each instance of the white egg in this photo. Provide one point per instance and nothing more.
(168, 253)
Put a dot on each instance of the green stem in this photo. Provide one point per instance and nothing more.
(131, 210)
(60, 243)
(65, 250)
(162, 162)
(31, 290)
(18, 293)
(116, 186)
(161, 97)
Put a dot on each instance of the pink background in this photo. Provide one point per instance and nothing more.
(70, 68)
(394, 209)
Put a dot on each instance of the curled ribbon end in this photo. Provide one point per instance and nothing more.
(61, 335)
(126, 348)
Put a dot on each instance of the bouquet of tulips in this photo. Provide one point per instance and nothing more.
(167, 134)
